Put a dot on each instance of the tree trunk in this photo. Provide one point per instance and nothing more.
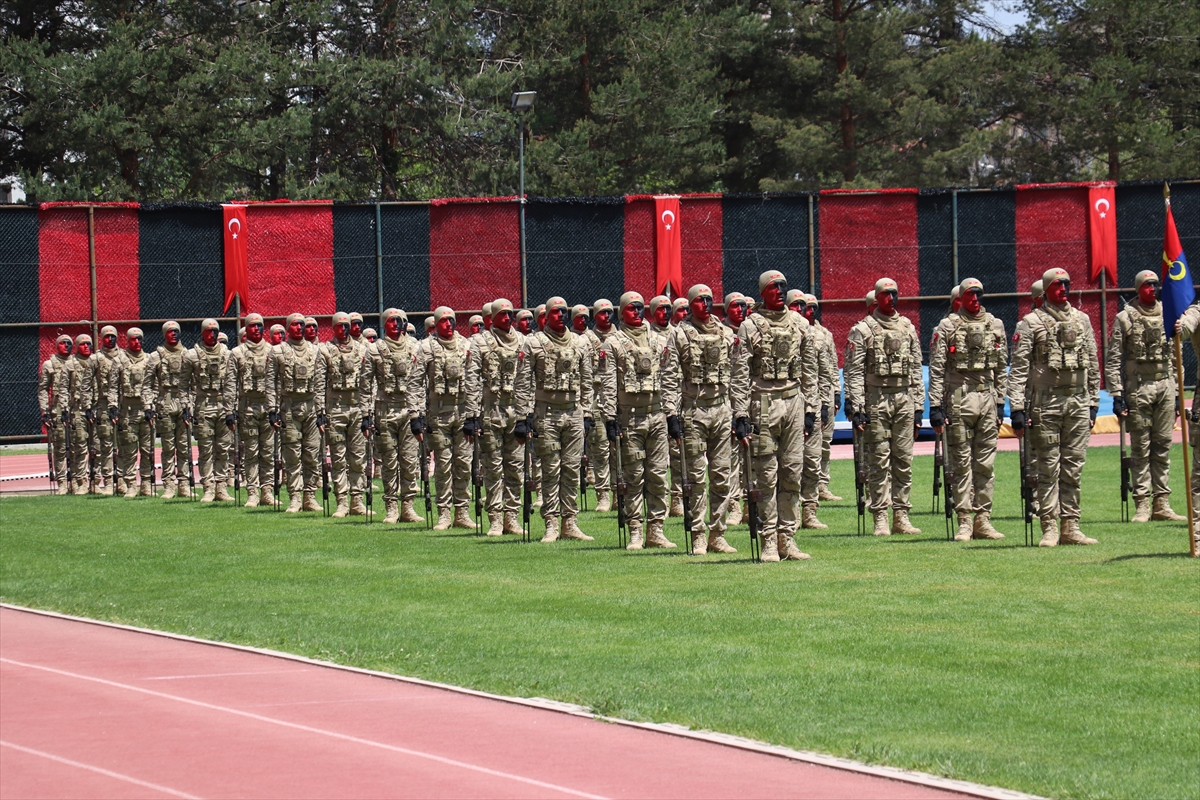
(846, 115)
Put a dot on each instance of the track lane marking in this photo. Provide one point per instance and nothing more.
(309, 729)
(219, 675)
(100, 770)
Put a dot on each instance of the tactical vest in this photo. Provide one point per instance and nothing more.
(299, 373)
(449, 369)
(254, 369)
(500, 369)
(560, 368)
(344, 366)
(394, 363)
(133, 375)
(891, 355)
(1146, 342)
(211, 369)
(974, 346)
(708, 358)
(75, 385)
(777, 356)
(643, 367)
(170, 368)
(1063, 347)
(104, 367)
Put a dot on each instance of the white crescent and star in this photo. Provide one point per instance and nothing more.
(1107, 206)
(664, 218)
(235, 233)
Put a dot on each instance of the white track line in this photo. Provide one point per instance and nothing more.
(308, 729)
(219, 675)
(100, 770)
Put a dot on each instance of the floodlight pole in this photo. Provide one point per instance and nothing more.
(521, 201)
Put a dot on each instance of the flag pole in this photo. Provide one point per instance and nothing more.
(1187, 463)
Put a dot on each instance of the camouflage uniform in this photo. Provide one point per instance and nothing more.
(554, 389)
(816, 446)
(103, 361)
(884, 382)
(164, 393)
(296, 397)
(640, 376)
(775, 391)
(389, 362)
(676, 508)
(737, 490)
(126, 390)
(245, 395)
(347, 406)
(1055, 359)
(599, 453)
(1189, 325)
(441, 365)
(58, 383)
(704, 351)
(204, 373)
(968, 381)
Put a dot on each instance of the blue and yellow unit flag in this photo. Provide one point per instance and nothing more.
(1178, 292)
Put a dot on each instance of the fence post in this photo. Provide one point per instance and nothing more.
(954, 233)
(92, 268)
(812, 255)
(379, 259)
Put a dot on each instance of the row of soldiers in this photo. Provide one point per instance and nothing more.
(747, 403)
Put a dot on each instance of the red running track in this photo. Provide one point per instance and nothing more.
(90, 710)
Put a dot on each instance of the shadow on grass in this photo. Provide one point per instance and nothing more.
(1133, 556)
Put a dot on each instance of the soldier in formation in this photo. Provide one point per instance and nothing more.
(247, 405)
(389, 362)
(164, 393)
(347, 415)
(204, 369)
(296, 396)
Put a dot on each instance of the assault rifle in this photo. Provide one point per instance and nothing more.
(686, 487)
(477, 482)
(622, 488)
(191, 462)
(66, 423)
(948, 483)
(527, 497)
(93, 456)
(939, 461)
(370, 474)
(423, 454)
(116, 450)
(324, 472)
(1126, 469)
(278, 465)
(584, 463)
(49, 426)
(860, 475)
(753, 498)
(237, 463)
(1029, 483)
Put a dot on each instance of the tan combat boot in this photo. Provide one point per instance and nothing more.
(900, 523)
(107, 489)
(391, 511)
(635, 535)
(769, 550)
(983, 527)
(169, 491)
(570, 530)
(118, 486)
(252, 498)
(676, 505)
(881, 523)
(131, 489)
(1072, 535)
(295, 501)
(444, 521)
(965, 528)
(210, 493)
(1163, 510)
(717, 543)
(266, 496)
(826, 496)
(512, 523)
(462, 519)
(1141, 511)
(63, 488)
(223, 495)
(1049, 532)
(809, 518)
(656, 538)
(537, 502)
(343, 506)
(603, 502)
(735, 515)
(552, 530)
(310, 501)
(788, 550)
(357, 507)
(495, 525)
(699, 543)
(408, 512)
(146, 489)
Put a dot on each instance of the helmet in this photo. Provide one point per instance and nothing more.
(412, 330)
(795, 295)
(580, 311)
(370, 333)
(356, 317)
(956, 292)
(222, 337)
(769, 277)
(442, 312)
(678, 303)
(499, 305)
(811, 300)
(655, 302)
(341, 318)
(886, 285)
(277, 328)
(734, 297)
(428, 324)
(311, 322)
(1054, 274)
(541, 309)
(487, 310)
(870, 298)
(292, 319)
(170, 325)
(474, 318)
(209, 324)
(395, 313)
(631, 297)
(971, 285)
(1144, 276)
(108, 330)
(1036, 289)
(132, 333)
(603, 304)
(82, 339)
(524, 313)
(556, 302)
(253, 319)
(699, 290)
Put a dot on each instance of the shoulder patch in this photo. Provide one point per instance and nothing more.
(935, 337)
(1016, 337)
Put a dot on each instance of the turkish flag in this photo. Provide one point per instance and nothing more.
(1102, 229)
(237, 263)
(668, 246)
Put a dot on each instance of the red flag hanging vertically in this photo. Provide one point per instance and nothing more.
(1102, 230)
(237, 263)
(669, 246)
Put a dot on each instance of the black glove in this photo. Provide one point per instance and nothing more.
(937, 418)
(113, 414)
(150, 415)
(473, 426)
(810, 422)
(589, 425)
(1119, 407)
(860, 419)
(47, 418)
(741, 428)
(521, 429)
(824, 415)
(675, 426)
(1092, 413)
(66, 417)
(231, 420)
(999, 414)
(837, 401)
(322, 420)
(417, 425)
(1018, 420)
(187, 415)
(918, 418)
(612, 430)
(90, 415)
(366, 423)
(273, 418)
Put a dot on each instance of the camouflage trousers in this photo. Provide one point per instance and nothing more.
(971, 433)
(176, 438)
(212, 440)
(398, 451)
(559, 446)
(503, 456)
(452, 458)
(644, 461)
(136, 437)
(258, 446)
(707, 447)
(1151, 424)
(300, 444)
(777, 459)
(1061, 428)
(888, 449)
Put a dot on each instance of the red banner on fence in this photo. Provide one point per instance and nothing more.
(1102, 228)
(237, 259)
(668, 246)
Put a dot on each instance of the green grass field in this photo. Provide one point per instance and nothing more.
(1072, 672)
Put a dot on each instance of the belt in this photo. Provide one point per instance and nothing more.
(887, 389)
(974, 387)
(780, 394)
(557, 406)
(701, 402)
(391, 403)
(653, 408)
(1063, 391)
